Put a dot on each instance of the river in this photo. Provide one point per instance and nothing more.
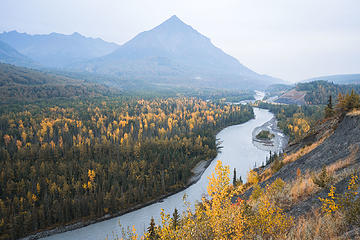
(238, 151)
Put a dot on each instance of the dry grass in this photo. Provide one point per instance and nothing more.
(354, 112)
(318, 226)
(265, 175)
(302, 187)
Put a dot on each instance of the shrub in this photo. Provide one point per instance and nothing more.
(302, 187)
(322, 179)
(277, 165)
(347, 203)
(252, 177)
(267, 219)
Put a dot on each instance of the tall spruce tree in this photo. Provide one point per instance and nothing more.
(329, 111)
(152, 230)
(175, 219)
(234, 179)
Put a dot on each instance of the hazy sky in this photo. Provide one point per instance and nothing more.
(290, 39)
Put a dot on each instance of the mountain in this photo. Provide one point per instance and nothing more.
(24, 84)
(174, 53)
(338, 79)
(11, 56)
(57, 50)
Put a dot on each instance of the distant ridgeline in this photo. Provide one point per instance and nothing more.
(10, 55)
(79, 159)
(318, 92)
(23, 84)
(311, 93)
(55, 49)
(338, 79)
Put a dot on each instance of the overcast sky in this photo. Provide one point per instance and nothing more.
(289, 39)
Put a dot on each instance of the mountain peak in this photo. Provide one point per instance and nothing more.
(173, 23)
(174, 18)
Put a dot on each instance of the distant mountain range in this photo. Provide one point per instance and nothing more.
(57, 50)
(338, 79)
(10, 55)
(172, 54)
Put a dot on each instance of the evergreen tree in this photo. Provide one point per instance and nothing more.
(234, 179)
(176, 219)
(330, 102)
(240, 180)
(152, 230)
(329, 111)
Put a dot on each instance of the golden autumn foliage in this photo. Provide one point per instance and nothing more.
(221, 217)
(348, 203)
(298, 126)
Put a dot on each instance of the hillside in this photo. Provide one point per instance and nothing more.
(339, 153)
(326, 160)
(338, 79)
(174, 54)
(313, 93)
(55, 49)
(9, 55)
(24, 84)
(292, 96)
(318, 92)
(328, 157)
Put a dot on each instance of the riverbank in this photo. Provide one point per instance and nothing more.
(81, 224)
(197, 171)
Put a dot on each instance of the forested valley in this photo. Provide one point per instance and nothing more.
(81, 159)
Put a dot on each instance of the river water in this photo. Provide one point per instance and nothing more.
(238, 152)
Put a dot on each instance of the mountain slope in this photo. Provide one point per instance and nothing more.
(11, 56)
(18, 83)
(57, 50)
(174, 53)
